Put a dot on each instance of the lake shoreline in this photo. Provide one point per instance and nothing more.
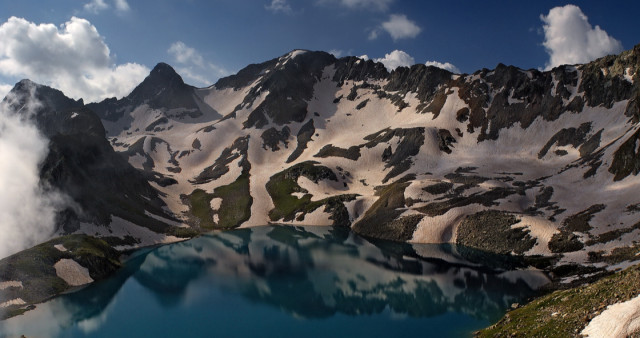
(92, 253)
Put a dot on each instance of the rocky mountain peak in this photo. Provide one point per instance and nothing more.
(163, 88)
(162, 81)
(165, 73)
(38, 99)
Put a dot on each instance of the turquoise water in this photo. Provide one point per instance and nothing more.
(287, 281)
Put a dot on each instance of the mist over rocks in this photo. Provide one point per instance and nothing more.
(28, 206)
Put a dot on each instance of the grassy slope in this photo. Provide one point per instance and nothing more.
(565, 313)
(282, 185)
(235, 207)
(34, 268)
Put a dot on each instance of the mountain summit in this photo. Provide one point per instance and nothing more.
(163, 88)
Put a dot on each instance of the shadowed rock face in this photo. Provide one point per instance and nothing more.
(81, 164)
(626, 160)
(162, 89)
(221, 165)
(304, 136)
(290, 86)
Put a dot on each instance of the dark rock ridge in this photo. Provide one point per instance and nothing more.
(162, 89)
(82, 164)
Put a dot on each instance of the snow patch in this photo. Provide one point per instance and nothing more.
(542, 230)
(618, 320)
(164, 220)
(72, 272)
(16, 301)
(295, 53)
(627, 75)
(10, 284)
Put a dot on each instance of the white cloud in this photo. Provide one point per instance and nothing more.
(27, 210)
(396, 59)
(73, 58)
(364, 57)
(570, 38)
(279, 6)
(185, 54)
(399, 27)
(193, 67)
(377, 5)
(95, 6)
(448, 66)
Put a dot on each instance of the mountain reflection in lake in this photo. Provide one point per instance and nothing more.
(289, 281)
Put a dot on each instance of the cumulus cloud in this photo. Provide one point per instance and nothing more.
(185, 54)
(27, 209)
(398, 26)
(97, 6)
(396, 59)
(570, 38)
(377, 5)
(73, 58)
(279, 6)
(192, 66)
(446, 65)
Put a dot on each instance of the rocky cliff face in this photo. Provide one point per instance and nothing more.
(105, 194)
(508, 160)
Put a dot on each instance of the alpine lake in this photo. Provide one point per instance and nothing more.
(285, 281)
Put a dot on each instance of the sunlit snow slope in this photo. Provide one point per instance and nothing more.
(508, 160)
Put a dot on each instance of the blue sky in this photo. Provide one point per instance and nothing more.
(102, 48)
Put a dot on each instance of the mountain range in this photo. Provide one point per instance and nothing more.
(536, 163)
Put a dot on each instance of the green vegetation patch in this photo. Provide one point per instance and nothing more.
(235, 208)
(282, 185)
(566, 313)
(183, 232)
(491, 231)
(200, 207)
(34, 268)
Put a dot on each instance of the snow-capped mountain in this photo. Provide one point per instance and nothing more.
(508, 160)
